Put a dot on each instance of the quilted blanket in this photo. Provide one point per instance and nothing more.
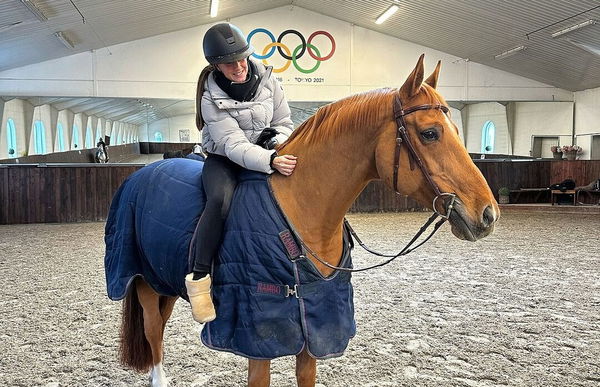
(149, 227)
(270, 300)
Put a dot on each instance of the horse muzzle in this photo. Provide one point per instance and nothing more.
(468, 228)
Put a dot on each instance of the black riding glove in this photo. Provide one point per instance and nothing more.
(266, 139)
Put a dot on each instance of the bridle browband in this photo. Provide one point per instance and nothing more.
(402, 137)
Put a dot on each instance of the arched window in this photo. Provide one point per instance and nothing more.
(60, 133)
(488, 135)
(75, 137)
(158, 136)
(89, 138)
(39, 138)
(11, 134)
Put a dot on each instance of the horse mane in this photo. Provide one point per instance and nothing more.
(356, 111)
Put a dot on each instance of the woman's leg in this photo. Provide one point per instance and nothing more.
(219, 178)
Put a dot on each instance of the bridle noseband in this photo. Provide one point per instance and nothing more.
(402, 137)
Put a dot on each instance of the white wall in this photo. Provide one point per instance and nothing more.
(66, 119)
(21, 112)
(587, 120)
(99, 129)
(541, 119)
(476, 115)
(530, 119)
(456, 117)
(170, 127)
(41, 113)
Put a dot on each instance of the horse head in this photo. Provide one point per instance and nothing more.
(438, 158)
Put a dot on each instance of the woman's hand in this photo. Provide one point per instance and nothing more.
(284, 164)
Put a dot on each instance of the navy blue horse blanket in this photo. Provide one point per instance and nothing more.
(271, 301)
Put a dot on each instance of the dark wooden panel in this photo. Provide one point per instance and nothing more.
(74, 193)
(162, 147)
(377, 197)
(102, 192)
(33, 194)
(537, 173)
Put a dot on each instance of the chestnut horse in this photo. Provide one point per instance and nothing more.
(340, 150)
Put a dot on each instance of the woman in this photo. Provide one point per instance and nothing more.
(243, 115)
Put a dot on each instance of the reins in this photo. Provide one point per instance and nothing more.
(402, 137)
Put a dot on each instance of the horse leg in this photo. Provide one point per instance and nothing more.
(259, 373)
(306, 369)
(166, 308)
(154, 324)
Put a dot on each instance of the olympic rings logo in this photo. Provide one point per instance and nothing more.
(293, 56)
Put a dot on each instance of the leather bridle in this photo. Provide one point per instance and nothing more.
(402, 137)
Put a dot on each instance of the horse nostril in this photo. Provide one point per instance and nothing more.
(488, 216)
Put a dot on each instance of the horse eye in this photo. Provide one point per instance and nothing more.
(430, 135)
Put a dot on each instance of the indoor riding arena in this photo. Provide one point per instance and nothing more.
(417, 193)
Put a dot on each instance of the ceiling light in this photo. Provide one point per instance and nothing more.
(384, 16)
(214, 8)
(574, 28)
(510, 52)
(34, 10)
(64, 40)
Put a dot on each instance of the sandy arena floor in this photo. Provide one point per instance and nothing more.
(520, 308)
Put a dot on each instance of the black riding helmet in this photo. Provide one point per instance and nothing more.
(225, 43)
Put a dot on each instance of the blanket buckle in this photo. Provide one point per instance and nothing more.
(291, 291)
(298, 257)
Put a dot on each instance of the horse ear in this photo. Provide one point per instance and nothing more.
(413, 82)
(433, 78)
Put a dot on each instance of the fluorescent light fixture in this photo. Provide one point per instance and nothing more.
(574, 28)
(389, 12)
(510, 52)
(64, 40)
(214, 8)
(34, 10)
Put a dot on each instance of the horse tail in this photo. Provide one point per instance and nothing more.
(134, 350)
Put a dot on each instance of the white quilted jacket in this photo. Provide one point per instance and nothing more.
(231, 127)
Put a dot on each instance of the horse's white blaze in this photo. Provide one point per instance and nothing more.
(158, 378)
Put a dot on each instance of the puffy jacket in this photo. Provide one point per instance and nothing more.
(232, 127)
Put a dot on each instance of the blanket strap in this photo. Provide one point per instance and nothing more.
(307, 289)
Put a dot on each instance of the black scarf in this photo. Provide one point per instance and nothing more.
(240, 91)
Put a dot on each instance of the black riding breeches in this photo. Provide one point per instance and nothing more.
(219, 179)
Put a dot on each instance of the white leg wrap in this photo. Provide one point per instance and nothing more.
(158, 378)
